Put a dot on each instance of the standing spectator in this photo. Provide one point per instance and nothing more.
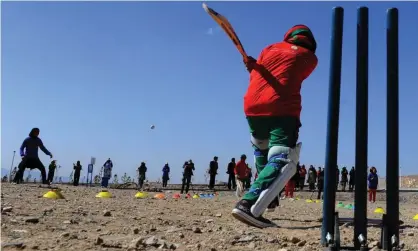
(241, 172)
(344, 178)
(373, 183)
(166, 174)
(337, 178)
(30, 158)
(319, 170)
(291, 184)
(351, 182)
(142, 170)
(302, 175)
(107, 173)
(320, 184)
(213, 171)
(77, 172)
(51, 171)
(231, 175)
(249, 176)
(188, 169)
(312, 174)
(298, 167)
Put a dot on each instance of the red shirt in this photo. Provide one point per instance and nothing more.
(290, 65)
(241, 169)
(302, 172)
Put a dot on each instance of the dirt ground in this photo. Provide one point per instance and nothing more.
(83, 222)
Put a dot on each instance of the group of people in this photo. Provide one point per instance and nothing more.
(30, 159)
(272, 108)
(315, 180)
(50, 175)
(239, 172)
(76, 173)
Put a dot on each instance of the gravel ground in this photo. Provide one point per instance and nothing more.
(83, 222)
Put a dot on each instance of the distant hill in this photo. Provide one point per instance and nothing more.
(408, 181)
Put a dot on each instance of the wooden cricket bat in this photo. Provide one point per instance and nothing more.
(227, 27)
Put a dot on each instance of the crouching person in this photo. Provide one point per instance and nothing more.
(30, 158)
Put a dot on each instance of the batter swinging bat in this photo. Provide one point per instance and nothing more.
(227, 27)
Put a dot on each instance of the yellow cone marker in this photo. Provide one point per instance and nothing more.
(379, 210)
(53, 194)
(415, 217)
(309, 201)
(104, 194)
(195, 196)
(141, 195)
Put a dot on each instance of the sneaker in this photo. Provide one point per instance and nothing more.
(242, 212)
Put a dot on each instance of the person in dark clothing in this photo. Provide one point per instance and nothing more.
(320, 184)
(231, 175)
(344, 178)
(77, 172)
(351, 182)
(142, 169)
(188, 169)
(312, 175)
(298, 167)
(302, 175)
(106, 173)
(166, 174)
(373, 180)
(213, 171)
(249, 177)
(338, 178)
(29, 154)
(51, 171)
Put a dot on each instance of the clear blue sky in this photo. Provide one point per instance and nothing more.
(94, 77)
